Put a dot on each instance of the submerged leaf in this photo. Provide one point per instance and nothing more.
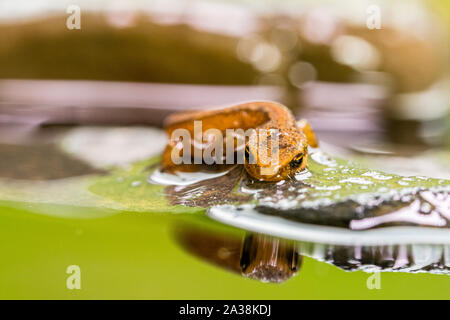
(330, 192)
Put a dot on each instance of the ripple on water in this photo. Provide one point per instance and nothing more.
(376, 175)
(136, 183)
(329, 188)
(323, 159)
(303, 175)
(356, 180)
(182, 178)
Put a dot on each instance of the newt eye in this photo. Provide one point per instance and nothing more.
(297, 161)
(247, 153)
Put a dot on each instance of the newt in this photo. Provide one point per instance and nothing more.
(293, 137)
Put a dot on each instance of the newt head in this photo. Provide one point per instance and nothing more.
(276, 158)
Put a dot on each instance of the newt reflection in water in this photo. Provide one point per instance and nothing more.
(293, 138)
(271, 259)
(256, 256)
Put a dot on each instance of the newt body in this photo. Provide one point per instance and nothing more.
(292, 137)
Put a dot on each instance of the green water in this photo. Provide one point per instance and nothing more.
(135, 256)
(125, 250)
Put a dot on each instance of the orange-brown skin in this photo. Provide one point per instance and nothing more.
(293, 137)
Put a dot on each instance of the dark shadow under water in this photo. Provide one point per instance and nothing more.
(270, 259)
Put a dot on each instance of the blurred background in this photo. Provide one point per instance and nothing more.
(371, 76)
